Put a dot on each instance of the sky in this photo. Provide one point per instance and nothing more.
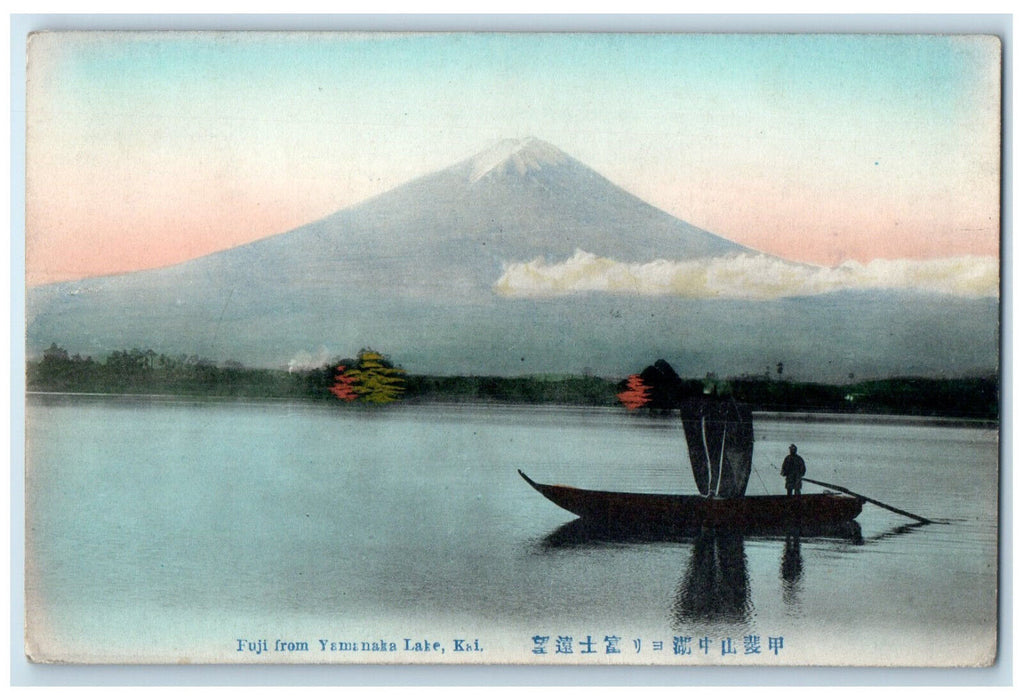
(144, 150)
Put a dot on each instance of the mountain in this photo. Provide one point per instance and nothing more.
(448, 234)
(411, 273)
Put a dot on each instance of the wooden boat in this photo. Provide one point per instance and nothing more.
(719, 440)
(612, 509)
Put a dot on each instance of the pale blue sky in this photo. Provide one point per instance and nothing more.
(809, 146)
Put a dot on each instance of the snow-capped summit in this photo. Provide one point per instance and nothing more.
(413, 270)
(518, 155)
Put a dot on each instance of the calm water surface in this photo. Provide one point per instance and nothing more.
(164, 530)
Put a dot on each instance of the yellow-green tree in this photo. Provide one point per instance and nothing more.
(373, 379)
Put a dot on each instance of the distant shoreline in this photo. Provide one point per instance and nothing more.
(373, 379)
(803, 416)
(795, 416)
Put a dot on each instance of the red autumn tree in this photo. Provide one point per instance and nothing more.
(344, 385)
(636, 394)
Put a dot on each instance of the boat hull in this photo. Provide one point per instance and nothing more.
(655, 511)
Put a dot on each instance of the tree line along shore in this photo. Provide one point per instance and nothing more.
(371, 378)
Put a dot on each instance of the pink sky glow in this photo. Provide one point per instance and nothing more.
(147, 151)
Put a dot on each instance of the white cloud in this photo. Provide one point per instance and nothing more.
(745, 277)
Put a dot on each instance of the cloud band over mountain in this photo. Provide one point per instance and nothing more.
(755, 277)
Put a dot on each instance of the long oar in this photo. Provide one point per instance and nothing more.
(869, 500)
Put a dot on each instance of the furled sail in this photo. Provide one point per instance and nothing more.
(719, 433)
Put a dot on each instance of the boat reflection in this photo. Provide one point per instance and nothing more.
(715, 585)
(581, 533)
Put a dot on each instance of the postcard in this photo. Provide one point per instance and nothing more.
(642, 349)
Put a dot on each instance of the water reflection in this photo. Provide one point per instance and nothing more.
(905, 529)
(791, 572)
(715, 584)
(581, 534)
(715, 587)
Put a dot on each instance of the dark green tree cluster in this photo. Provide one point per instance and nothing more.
(138, 371)
(660, 388)
(965, 397)
(969, 397)
(572, 390)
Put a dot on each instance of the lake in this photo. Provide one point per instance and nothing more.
(167, 530)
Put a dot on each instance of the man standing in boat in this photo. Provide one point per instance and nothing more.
(793, 469)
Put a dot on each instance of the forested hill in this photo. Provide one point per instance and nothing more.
(146, 372)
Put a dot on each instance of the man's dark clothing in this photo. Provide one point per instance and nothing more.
(793, 469)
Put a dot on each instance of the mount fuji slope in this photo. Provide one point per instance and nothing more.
(450, 233)
(411, 272)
